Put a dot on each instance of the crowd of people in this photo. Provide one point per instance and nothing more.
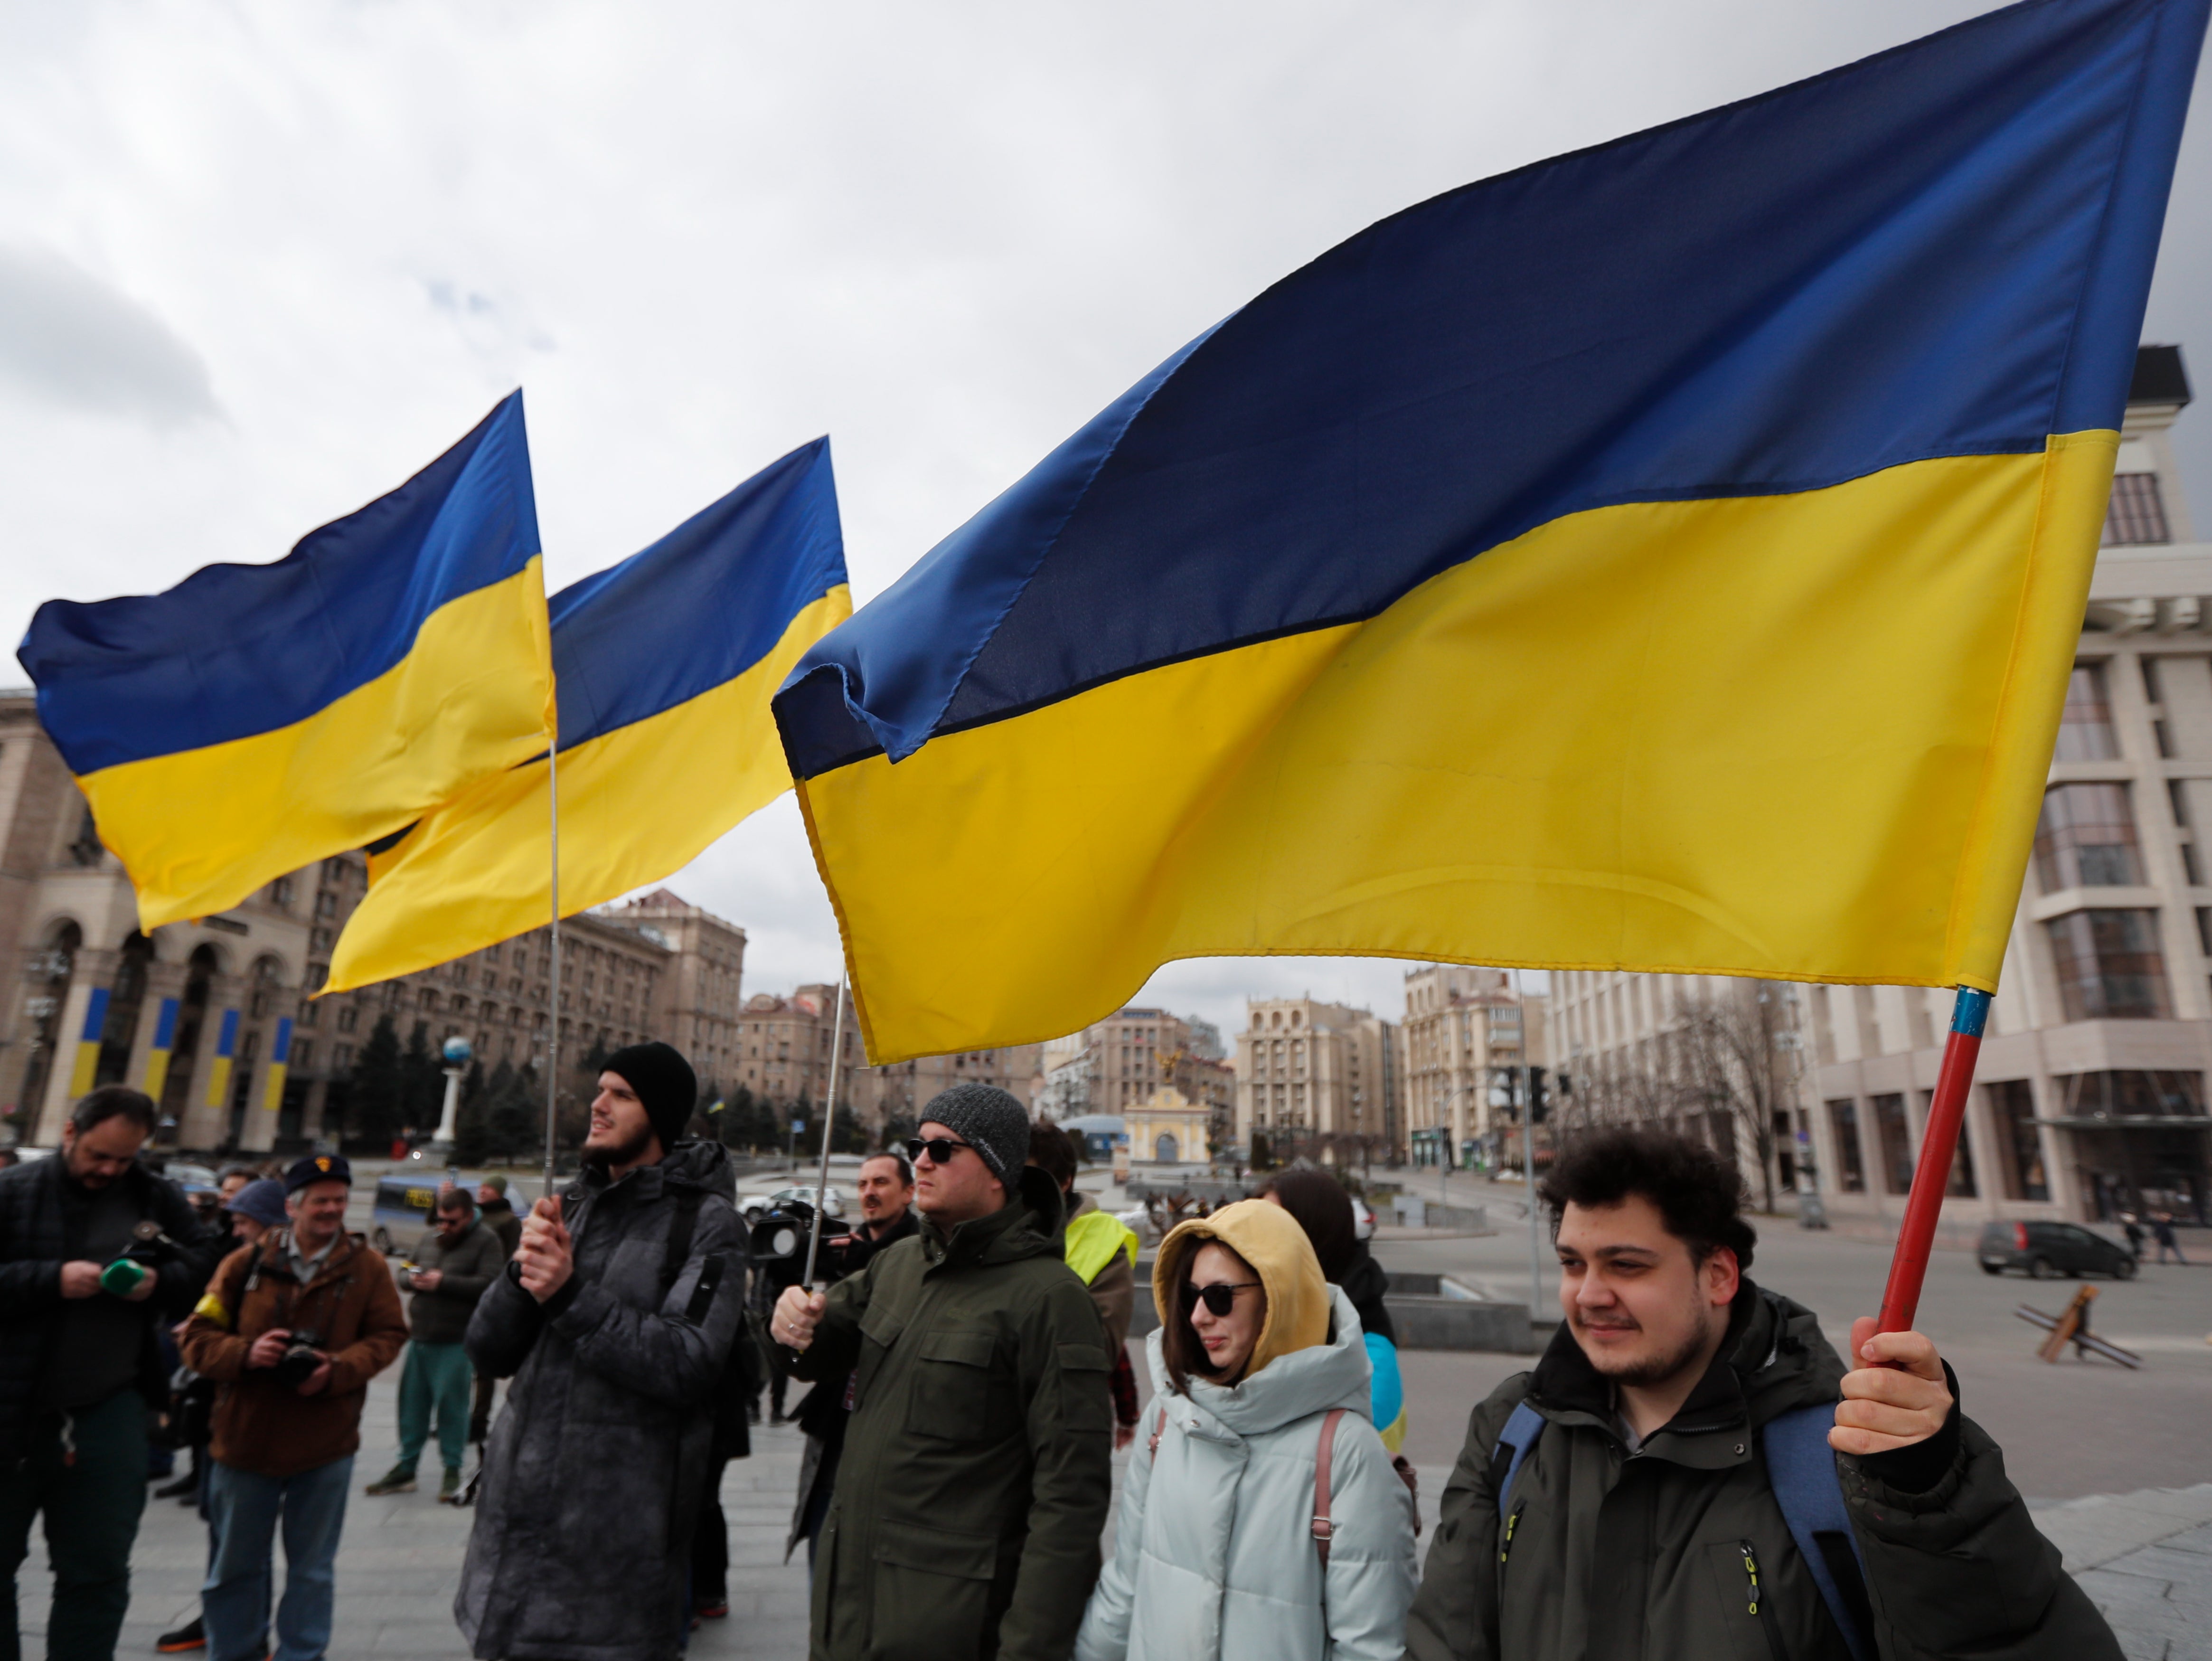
(1689, 1469)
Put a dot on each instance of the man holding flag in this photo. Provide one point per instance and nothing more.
(1661, 1484)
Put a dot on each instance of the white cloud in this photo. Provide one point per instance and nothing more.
(69, 340)
(700, 234)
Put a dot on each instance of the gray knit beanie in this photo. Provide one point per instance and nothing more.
(993, 1122)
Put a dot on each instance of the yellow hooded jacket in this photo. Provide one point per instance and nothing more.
(1269, 1239)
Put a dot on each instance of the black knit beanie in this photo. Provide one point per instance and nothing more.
(993, 1122)
(664, 1081)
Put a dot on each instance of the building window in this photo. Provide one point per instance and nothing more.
(2110, 967)
(2131, 1094)
(326, 904)
(1896, 1137)
(303, 1055)
(2136, 516)
(2012, 1104)
(2085, 729)
(281, 891)
(2087, 838)
(341, 1057)
(348, 1018)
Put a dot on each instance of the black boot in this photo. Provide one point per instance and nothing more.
(191, 1636)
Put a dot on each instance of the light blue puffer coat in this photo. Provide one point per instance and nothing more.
(1214, 1558)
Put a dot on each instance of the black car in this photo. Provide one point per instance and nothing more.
(2047, 1251)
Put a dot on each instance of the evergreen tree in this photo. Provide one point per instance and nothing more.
(375, 1091)
(422, 1083)
(847, 1137)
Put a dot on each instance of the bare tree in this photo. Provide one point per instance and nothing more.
(1735, 1061)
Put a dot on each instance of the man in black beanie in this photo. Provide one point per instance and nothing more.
(978, 1460)
(615, 1320)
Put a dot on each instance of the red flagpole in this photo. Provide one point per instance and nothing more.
(1939, 1141)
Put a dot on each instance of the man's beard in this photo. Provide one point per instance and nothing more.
(626, 1153)
(1658, 1369)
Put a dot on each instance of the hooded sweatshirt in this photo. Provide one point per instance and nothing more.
(1214, 1555)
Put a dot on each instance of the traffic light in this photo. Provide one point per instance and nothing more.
(1536, 1102)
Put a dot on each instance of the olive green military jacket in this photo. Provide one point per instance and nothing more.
(1678, 1551)
(976, 1474)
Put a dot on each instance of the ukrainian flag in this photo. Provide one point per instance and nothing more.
(1668, 557)
(256, 718)
(664, 665)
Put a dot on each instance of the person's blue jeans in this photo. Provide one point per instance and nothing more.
(436, 1382)
(243, 1509)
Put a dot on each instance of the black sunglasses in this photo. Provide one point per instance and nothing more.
(939, 1148)
(1219, 1298)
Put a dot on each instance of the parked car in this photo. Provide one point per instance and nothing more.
(2047, 1251)
(192, 1179)
(402, 1210)
(753, 1207)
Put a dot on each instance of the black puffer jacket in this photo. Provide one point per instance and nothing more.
(592, 1476)
(35, 1242)
(1615, 1555)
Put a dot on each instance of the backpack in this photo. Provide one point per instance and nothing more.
(739, 1381)
(1801, 1468)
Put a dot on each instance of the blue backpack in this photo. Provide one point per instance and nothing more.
(1802, 1468)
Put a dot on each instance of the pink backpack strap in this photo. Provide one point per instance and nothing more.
(1324, 1456)
(1160, 1428)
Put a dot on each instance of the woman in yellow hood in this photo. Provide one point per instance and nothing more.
(1218, 1553)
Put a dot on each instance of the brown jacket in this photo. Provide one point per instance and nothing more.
(354, 1310)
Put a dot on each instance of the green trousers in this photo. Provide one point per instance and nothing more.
(86, 1474)
(435, 1380)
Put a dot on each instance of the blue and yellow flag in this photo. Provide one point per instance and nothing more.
(256, 718)
(664, 664)
(1668, 557)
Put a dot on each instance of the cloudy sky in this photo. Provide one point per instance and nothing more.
(259, 262)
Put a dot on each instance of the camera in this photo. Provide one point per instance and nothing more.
(300, 1360)
(779, 1246)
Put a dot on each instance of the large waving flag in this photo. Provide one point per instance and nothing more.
(1667, 557)
(256, 718)
(664, 665)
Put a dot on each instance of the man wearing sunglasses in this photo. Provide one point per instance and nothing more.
(976, 1474)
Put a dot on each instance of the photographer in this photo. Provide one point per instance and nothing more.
(886, 1216)
(81, 1289)
(291, 1331)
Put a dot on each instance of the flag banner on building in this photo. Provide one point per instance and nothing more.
(1667, 557)
(664, 667)
(256, 718)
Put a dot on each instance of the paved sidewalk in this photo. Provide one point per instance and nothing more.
(401, 1560)
(2146, 1558)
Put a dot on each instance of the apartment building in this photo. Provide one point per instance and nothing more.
(2090, 1095)
(1319, 1079)
(698, 1005)
(214, 1019)
(1462, 1026)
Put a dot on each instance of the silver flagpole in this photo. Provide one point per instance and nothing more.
(553, 984)
(828, 1119)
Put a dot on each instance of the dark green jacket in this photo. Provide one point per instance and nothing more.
(1620, 1556)
(976, 1474)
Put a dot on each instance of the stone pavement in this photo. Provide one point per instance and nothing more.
(2146, 1558)
(401, 1560)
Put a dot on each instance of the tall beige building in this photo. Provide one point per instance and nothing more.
(213, 1019)
(1319, 1079)
(1462, 1026)
(696, 1004)
(2090, 1096)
